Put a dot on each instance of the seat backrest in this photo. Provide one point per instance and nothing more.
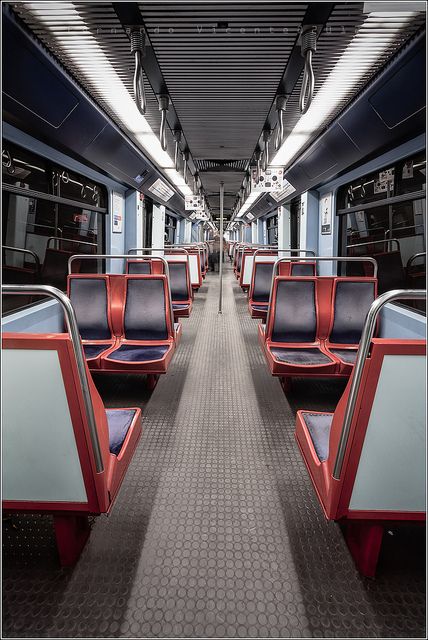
(302, 269)
(239, 261)
(145, 315)
(89, 296)
(178, 281)
(390, 271)
(352, 299)
(55, 267)
(143, 267)
(262, 281)
(294, 310)
(48, 459)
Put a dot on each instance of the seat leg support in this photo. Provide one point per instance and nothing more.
(152, 380)
(364, 540)
(71, 533)
(286, 384)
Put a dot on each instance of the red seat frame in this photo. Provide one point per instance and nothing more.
(70, 518)
(364, 528)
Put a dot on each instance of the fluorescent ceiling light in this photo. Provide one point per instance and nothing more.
(393, 8)
(248, 203)
(102, 76)
(177, 179)
(357, 60)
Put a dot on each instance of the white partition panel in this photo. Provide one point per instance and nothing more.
(391, 472)
(40, 459)
(176, 257)
(248, 270)
(194, 271)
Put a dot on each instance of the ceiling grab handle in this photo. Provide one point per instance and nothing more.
(266, 138)
(281, 102)
(177, 138)
(185, 165)
(196, 182)
(163, 108)
(309, 46)
(257, 157)
(137, 48)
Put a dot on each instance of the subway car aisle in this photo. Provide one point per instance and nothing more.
(217, 530)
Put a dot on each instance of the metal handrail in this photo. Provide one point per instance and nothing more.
(191, 245)
(92, 244)
(414, 257)
(42, 226)
(331, 259)
(413, 226)
(243, 246)
(98, 256)
(73, 330)
(26, 252)
(280, 251)
(381, 241)
(169, 248)
(363, 352)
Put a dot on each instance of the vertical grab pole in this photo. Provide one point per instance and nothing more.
(220, 264)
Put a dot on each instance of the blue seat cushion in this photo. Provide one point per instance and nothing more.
(300, 356)
(138, 353)
(177, 307)
(94, 350)
(260, 307)
(319, 426)
(119, 421)
(347, 355)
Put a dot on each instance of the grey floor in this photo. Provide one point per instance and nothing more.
(216, 530)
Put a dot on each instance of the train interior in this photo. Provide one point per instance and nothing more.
(214, 319)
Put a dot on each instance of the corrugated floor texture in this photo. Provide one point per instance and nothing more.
(216, 530)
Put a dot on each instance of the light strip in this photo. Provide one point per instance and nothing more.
(101, 74)
(248, 203)
(356, 61)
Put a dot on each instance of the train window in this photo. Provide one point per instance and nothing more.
(383, 215)
(272, 229)
(170, 229)
(295, 223)
(48, 214)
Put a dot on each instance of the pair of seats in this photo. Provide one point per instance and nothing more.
(261, 282)
(179, 281)
(59, 457)
(125, 321)
(314, 324)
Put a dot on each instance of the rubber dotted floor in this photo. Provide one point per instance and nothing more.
(216, 530)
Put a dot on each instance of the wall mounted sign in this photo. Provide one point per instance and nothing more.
(287, 189)
(326, 215)
(117, 212)
(270, 180)
(193, 203)
(385, 181)
(162, 190)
